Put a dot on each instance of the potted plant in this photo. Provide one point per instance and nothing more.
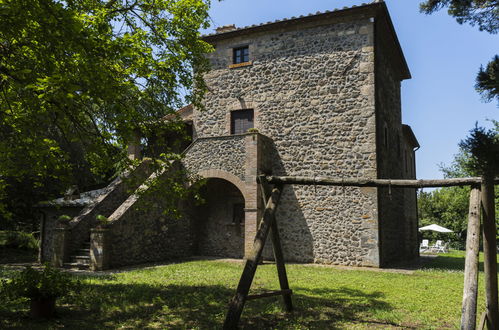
(42, 287)
(102, 221)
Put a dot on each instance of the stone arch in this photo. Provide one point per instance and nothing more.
(220, 174)
(219, 223)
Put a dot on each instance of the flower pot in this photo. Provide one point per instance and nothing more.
(42, 307)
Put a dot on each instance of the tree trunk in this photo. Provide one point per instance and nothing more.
(490, 251)
(470, 291)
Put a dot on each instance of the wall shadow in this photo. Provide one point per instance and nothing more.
(294, 231)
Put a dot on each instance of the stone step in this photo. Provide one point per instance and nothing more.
(76, 265)
(83, 252)
(84, 260)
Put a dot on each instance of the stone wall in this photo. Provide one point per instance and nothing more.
(49, 224)
(411, 244)
(312, 91)
(139, 232)
(226, 153)
(396, 209)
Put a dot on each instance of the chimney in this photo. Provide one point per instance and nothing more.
(226, 28)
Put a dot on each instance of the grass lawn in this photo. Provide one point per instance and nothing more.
(195, 294)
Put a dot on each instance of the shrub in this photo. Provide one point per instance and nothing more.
(35, 284)
(18, 239)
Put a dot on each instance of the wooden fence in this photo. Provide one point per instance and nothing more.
(481, 198)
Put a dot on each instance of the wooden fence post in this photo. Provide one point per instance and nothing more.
(470, 291)
(490, 251)
(237, 304)
(277, 248)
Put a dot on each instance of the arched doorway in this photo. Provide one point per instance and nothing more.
(219, 220)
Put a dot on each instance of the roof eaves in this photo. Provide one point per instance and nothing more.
(365, 7)
(408, 132)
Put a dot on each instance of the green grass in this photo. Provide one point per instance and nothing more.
(195, 294)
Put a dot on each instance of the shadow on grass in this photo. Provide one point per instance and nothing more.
(12, 255)
(113, 305)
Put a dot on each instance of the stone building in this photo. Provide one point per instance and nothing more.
(312, 95)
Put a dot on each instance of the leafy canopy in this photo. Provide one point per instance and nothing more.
(484, 14)
(78, 77)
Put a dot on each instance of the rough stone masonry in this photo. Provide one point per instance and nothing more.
(326, 91)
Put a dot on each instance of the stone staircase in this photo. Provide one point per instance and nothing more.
(81, 259)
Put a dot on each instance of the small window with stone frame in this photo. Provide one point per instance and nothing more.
(238, 214)
(240, 55)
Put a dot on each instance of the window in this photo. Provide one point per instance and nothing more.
(398, 145)
(240, 55)
(385, 137)
(241, 121)
(406, 161)
(238, 214)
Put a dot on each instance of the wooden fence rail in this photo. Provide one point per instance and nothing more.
(362, 182)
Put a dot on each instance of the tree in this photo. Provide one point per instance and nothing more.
(484, 14)
(449, 206)
(482, 146)
(487, 81)
(78, 77)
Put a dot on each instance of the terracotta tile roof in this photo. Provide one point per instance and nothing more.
(291, 19)
(182, 112)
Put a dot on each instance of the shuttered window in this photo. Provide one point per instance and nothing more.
(240, 55)
(241, 121)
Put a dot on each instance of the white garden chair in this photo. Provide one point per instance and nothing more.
(425, 245)
(439, 247)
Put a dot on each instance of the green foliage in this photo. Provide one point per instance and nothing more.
(18, 239)
(77, 78)
(102, 219)
(38, 284)
(487, 80)
(447, 207)
(484, 13)
(482, 146)
(181, 186)
(476, 153)
(64, 218)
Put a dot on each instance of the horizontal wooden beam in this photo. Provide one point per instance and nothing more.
(270, 294)
(363, 182)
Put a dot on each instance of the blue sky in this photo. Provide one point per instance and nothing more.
(439, 102)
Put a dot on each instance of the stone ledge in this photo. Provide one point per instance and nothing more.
(240, 65)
